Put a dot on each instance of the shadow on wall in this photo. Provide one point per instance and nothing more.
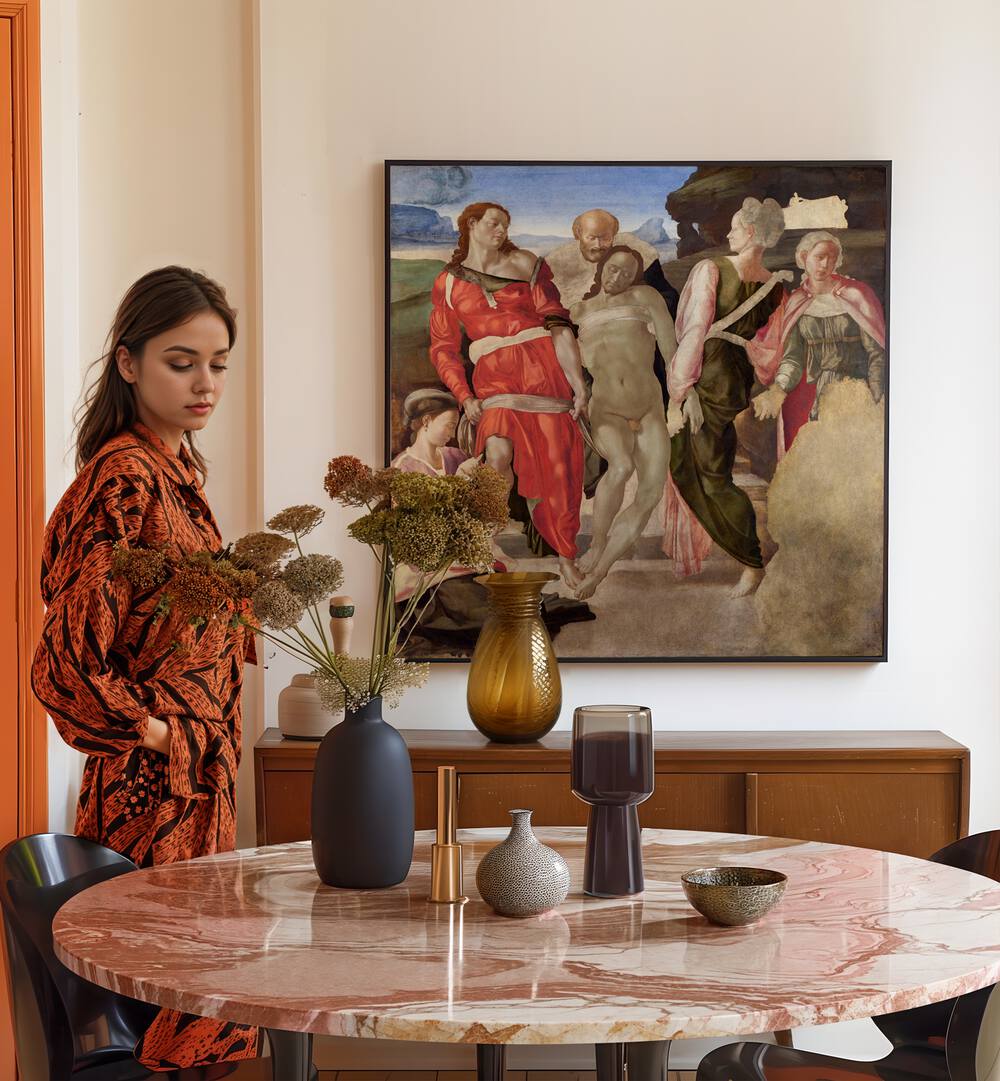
(822, 594)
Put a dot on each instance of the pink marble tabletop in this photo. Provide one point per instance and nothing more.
(253, 936)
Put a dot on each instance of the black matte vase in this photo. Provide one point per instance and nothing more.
(362, 803)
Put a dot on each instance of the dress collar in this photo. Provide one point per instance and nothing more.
(178, 466)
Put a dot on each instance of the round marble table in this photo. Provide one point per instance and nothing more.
(254, 937)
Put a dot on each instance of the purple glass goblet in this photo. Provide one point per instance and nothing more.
(613, 772)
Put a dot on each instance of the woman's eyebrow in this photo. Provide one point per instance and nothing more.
(192, 352)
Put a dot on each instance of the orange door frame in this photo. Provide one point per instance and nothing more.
(25, 809)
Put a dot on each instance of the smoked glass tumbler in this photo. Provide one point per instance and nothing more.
(613, 772)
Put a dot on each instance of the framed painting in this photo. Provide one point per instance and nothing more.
(680, 368)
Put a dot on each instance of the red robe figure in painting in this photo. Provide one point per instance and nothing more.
(509, 323)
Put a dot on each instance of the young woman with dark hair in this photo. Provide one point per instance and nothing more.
(152, 700)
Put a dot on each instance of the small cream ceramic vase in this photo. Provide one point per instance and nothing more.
(301, 714)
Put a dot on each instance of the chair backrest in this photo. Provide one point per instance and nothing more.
(61, 1021)
(973, 1042)
(979, 853)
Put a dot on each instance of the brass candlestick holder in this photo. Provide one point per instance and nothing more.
(446, 853)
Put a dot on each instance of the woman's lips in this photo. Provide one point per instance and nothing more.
(201, 409)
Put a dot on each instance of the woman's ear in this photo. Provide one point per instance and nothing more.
(126, 364)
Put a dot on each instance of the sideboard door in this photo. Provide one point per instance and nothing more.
(911, 813)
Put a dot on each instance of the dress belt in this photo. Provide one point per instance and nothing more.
(479, 348)
(538, 403)
(528, 403)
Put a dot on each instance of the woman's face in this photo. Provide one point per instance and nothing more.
(740, 235)
(618, 273)
(490, 231)
(180, 376)
(440, 430)
(821, 261)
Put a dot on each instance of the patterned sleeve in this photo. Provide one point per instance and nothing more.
(79, 669)
(446, 342)
(75, 673)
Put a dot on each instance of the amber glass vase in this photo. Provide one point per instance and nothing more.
(515, 693)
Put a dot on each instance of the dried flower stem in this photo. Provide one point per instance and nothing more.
(311, 608)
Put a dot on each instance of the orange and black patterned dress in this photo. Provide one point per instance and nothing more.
(106, 662)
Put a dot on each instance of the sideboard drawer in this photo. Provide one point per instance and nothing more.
(485, 798)
(914, 814)
(696, 801)
(287, 796)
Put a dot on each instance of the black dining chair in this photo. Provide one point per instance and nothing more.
(936, 1042)
(65, 1027)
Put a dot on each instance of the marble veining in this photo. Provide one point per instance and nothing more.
(254, 936)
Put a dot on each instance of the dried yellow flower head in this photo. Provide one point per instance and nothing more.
(262, 552)
(277, 607)
(313, 577)
(350, 687)
(144, 568)
(298, 520)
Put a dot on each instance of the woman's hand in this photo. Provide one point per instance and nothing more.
(692, 411)
(579, 406)
(675, 419)
(157, 736)
(473, 410)
(468, 467)
(766, 406)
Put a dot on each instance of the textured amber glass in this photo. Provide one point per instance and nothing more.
(514, 691)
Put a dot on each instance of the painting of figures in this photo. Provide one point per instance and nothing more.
(681, 372)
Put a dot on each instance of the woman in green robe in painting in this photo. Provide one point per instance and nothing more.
(725, 303)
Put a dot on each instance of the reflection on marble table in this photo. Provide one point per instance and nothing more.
(253, 936)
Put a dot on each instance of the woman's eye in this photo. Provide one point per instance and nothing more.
(219, 367)
(181, 367)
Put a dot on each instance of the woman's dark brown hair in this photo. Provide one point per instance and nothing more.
(473, 212)
(616, 250)
(157, 302)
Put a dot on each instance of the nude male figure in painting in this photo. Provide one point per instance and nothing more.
(621, 322)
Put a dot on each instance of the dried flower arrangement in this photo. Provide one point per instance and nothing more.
(266, 581)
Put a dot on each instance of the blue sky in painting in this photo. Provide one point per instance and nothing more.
(544, 199)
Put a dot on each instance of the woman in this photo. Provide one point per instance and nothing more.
(832, 329)
(432, 418)
(527, 390)
(153, 701)
(726, 301)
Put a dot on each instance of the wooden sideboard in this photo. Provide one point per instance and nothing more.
(902, 792)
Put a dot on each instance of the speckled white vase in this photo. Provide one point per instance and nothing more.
(521, 876)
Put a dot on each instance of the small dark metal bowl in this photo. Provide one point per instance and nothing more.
(733, 896)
